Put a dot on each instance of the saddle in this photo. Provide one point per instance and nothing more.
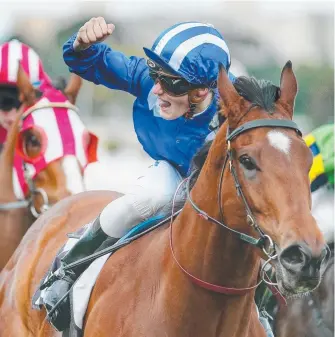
(69, 314)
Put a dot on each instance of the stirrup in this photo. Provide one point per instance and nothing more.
(59, 313)
(60, 274)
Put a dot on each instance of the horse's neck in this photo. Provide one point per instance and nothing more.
(14, 224)
(216, 255)
(7, 163)
(212, 250)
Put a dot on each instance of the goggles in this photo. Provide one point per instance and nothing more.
(172, 85)
(9, 99)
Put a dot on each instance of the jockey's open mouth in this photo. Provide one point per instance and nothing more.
(164, 104)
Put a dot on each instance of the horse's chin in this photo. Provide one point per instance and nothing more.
(296, 292)
(290, 286)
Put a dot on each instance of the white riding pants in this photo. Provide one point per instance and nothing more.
(152, 194)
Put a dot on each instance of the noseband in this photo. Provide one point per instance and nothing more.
(269, 251)
(33, 190)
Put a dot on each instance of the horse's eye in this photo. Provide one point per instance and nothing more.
(248, 163)
(32, 144)
(33, 141)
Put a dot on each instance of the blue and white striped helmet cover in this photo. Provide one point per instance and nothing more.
(192, 50)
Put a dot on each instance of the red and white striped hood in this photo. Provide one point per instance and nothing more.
(63, 134)
(14, 52)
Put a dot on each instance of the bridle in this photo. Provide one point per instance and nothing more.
(28, 175)
(270, 252)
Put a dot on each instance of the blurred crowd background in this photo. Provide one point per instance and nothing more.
(261, 37)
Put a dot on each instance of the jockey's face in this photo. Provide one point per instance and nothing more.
(171, 107)
(173, 92)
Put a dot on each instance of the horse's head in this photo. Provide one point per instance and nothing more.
(270, 162)
(53, 145)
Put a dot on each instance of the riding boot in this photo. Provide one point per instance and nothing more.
(91, 241)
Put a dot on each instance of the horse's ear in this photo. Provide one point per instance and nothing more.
(72, 89)
(288, 88)
(231, 100)
(27, 93)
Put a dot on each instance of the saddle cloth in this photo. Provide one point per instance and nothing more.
(81, 290)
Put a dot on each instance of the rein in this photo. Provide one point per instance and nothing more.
(28, 177)
(251, 220)
(14, 205)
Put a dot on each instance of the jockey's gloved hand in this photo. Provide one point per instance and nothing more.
(93, 31)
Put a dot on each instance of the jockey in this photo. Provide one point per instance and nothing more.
(176, 100)
(13, 53)
(321, 143)
(321, 175)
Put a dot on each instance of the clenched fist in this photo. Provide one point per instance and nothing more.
(95, 30)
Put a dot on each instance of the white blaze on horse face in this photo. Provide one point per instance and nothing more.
(74, 176)
(279, 141)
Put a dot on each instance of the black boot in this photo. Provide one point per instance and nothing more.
(90, 242)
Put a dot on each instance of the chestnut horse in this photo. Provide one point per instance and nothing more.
(24, 148)
(141, 290)
(312, 315)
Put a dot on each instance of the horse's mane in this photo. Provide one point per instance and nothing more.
(261, 93)
(200, 157)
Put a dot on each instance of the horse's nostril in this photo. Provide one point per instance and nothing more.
(324, 257)
(326, 253)
(294, 257)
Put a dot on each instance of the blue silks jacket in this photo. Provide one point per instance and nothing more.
(175, 141)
